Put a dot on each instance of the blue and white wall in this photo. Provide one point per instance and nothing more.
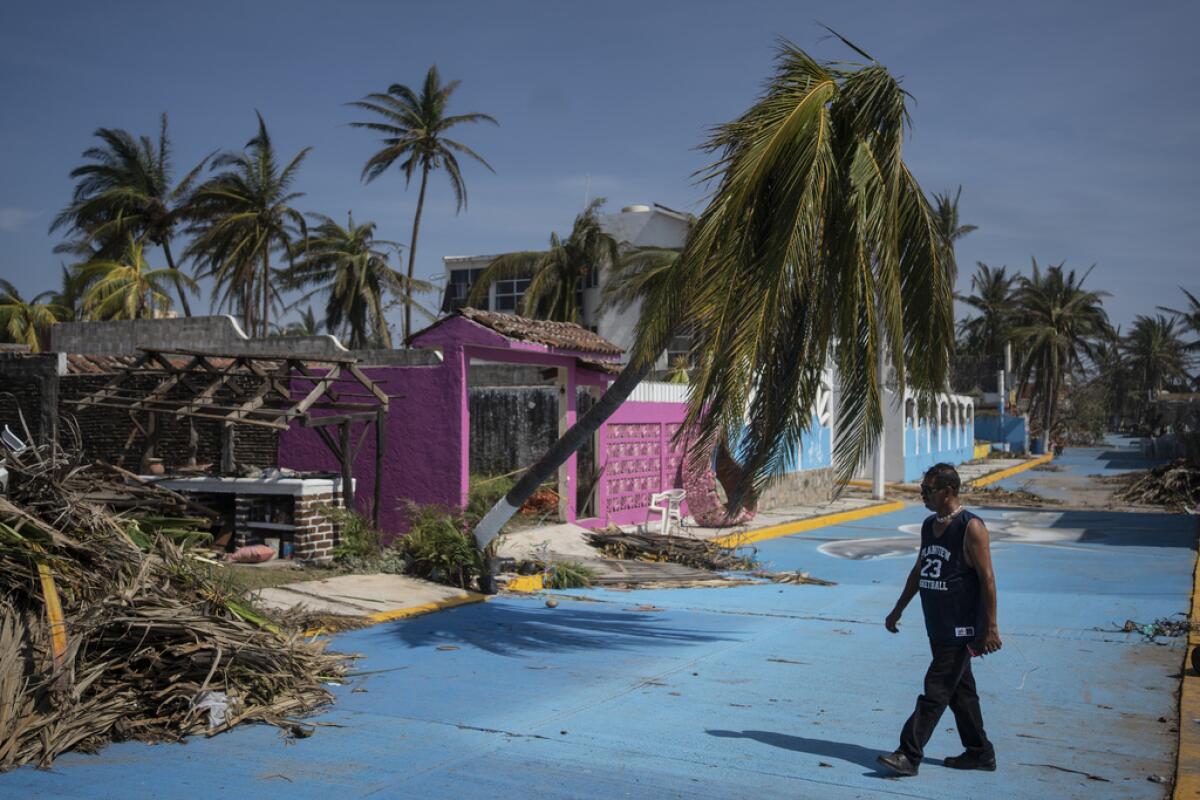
(916, 442)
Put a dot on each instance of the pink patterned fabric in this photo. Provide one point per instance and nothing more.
(704, 503)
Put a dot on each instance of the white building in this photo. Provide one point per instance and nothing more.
(633, 226)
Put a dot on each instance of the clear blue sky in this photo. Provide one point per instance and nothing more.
(1072, 127)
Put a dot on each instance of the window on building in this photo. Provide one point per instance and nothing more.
(680, 345)
(461, 281)
(508, 294)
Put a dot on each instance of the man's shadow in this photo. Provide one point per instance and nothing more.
(843, 751)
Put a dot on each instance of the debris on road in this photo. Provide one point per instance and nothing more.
(1175, 484)
(698, 553)
(115, 626)
(792, 577)
(1163, 626)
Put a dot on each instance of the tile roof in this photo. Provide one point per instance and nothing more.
(563, 335)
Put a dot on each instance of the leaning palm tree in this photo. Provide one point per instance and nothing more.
(128, 288)
(557, 276)
(946, 208)
(351, 266)
(127, 189)
(992, 295)
(414, 127)
(1156, 355)
(817, 235)
(1059, 323)
(24, 321)
(242, 216)
(634, 276)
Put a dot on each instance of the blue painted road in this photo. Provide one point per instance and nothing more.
(765, 691)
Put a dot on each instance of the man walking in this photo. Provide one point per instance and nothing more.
(954, 575)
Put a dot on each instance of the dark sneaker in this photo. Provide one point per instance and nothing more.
(898, 763)
(972, 760)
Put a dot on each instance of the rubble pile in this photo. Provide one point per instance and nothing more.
(114, 625)
(1172, 485)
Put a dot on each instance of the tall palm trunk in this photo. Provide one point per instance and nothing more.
(266, 293)
(556, 456)
(412, 253)
(179, 287)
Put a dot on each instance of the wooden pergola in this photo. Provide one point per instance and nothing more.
(270, 391)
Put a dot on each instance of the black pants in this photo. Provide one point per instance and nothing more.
(948, 682)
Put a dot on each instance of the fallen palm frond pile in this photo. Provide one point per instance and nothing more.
(1172, 485)
(698, 553)
(112, 627)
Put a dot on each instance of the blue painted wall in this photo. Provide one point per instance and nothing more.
(915, 463)
(1012, 432)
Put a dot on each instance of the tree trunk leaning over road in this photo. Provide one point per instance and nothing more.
(559, 452)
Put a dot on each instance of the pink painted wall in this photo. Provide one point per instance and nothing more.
(425, 446)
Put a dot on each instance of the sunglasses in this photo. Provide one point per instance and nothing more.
(926, 491)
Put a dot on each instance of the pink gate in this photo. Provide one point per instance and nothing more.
(637, 457)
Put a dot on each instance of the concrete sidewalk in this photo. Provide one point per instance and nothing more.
(376, 597)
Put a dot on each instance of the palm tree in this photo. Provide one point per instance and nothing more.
(414, 131)
(557, 275)
(126, 189)
(992, 296)
(127, 288)
(1112, 372)
(351, 265)
(1156, 354)
(73, 285)
(817, 235)
(26, 321)
(307, 325)
(241, 216)
(1059, 322)
(946, 208)
(1190, 317)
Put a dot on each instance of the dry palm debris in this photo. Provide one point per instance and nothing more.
(698, 553)
(1174, 484)
(792, 577)
(112, 627)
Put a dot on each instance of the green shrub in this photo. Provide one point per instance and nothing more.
(483, 493)
(569, 575)
(357, 538)
(437, 548)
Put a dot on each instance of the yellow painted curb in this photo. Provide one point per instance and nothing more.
(412, 611)
(982, 450)
(526, 583)
(1008, 473)
(801, 525)
(1187, 764)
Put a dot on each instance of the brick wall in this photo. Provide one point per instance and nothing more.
(105, 432)
(316, 534)
(29, 389)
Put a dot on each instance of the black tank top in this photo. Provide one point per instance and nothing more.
(950, 595)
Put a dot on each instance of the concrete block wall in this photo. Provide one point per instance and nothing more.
(217, 334)
(805, 487)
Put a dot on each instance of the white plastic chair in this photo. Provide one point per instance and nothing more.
(667, 505)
